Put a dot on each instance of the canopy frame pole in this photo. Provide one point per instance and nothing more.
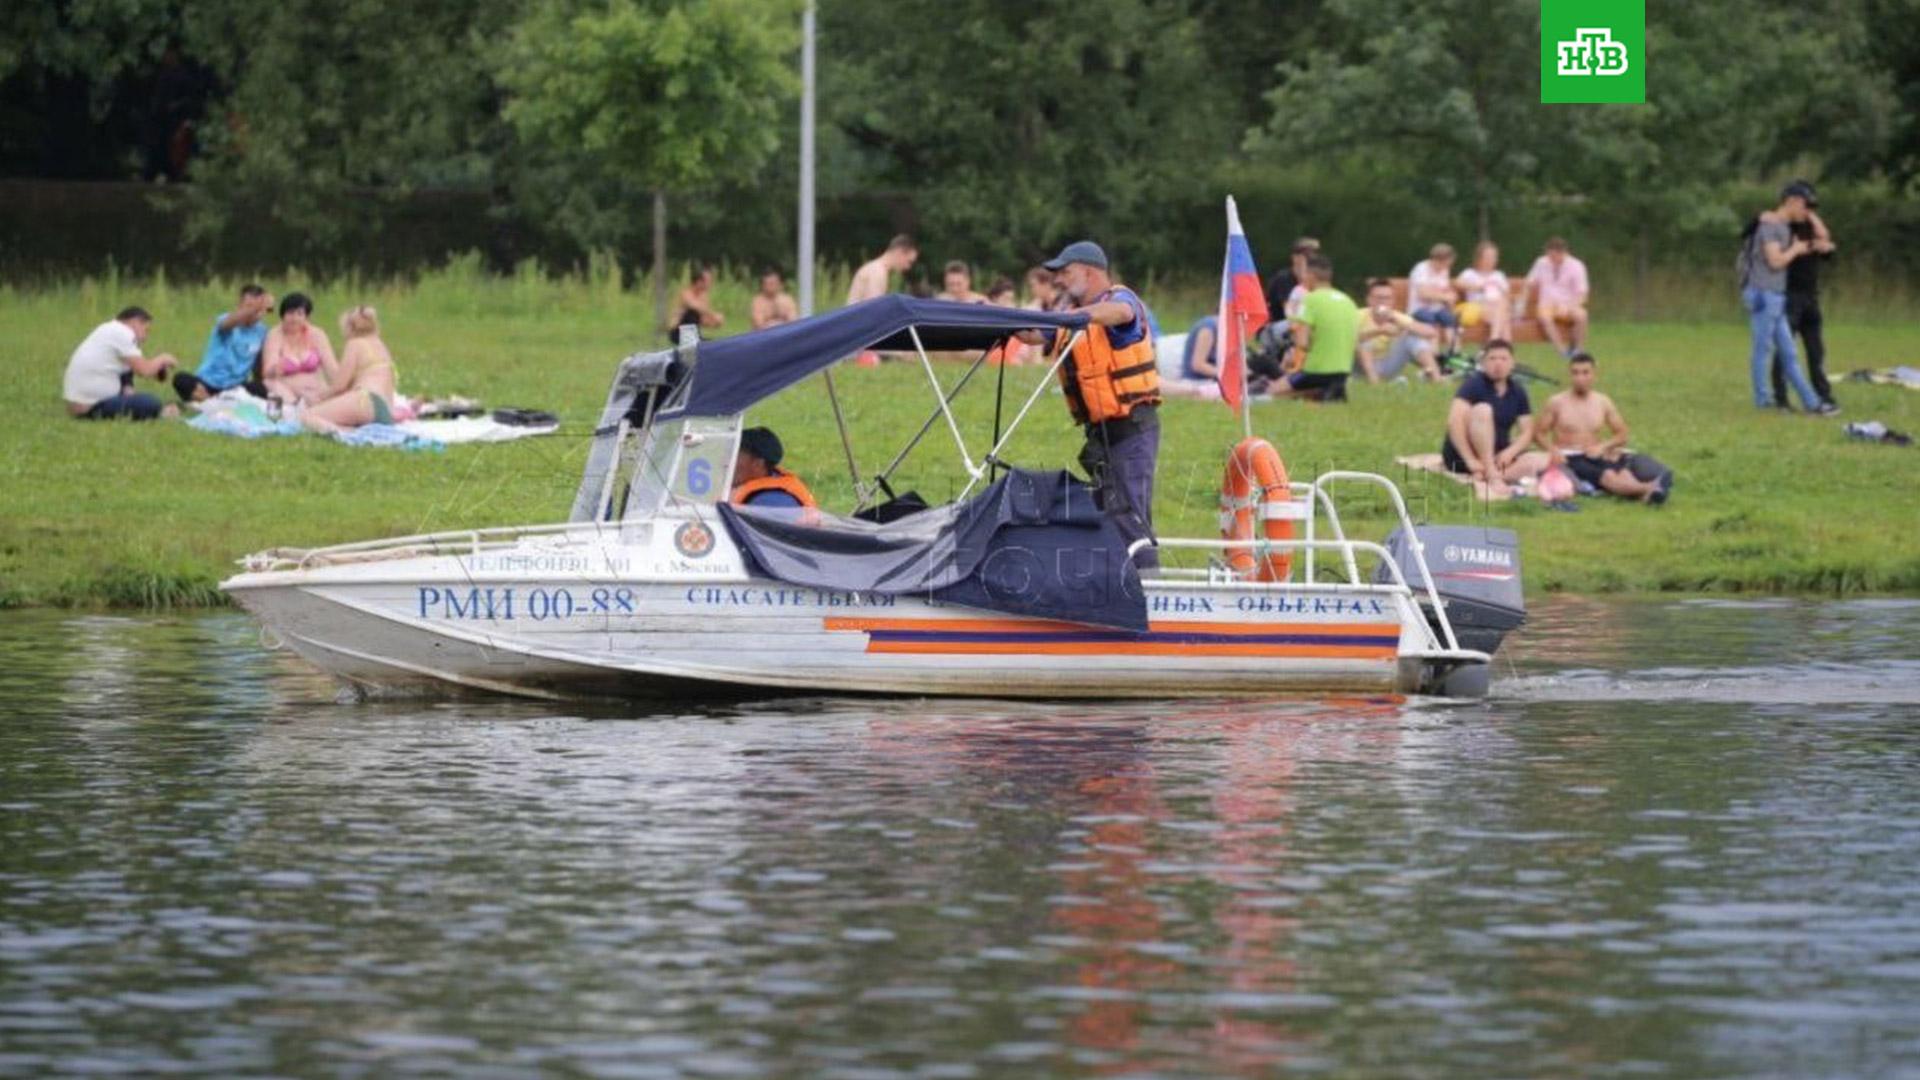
(846, 439)
(886, 474)
(941, 395)
(1038, 389)
(999, 401)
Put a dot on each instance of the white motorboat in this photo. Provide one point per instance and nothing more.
(1018, 588)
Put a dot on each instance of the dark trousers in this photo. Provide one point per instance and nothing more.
(1803, 318)
(1122, 474)
(128, 404)
(1446, 321)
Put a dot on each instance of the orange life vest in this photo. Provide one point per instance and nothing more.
(1104, 383)
(777, 480)
(1256, 501)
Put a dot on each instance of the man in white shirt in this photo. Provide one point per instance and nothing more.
(99, 380)
(1431, 295)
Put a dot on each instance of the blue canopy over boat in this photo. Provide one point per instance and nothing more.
(733, 373)
(1032, 544)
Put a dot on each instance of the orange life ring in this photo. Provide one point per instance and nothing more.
(1255, 491)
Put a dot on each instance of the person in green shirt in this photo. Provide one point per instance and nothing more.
(1325, 334)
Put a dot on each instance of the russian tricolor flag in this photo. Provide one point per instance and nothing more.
(1243, 311)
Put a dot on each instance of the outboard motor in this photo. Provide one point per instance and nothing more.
(1476, 571)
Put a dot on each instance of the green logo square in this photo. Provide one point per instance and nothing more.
(1593, 51)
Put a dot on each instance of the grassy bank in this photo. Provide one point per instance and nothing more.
(153, 515)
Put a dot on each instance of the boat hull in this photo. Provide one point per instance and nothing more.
(435, 623)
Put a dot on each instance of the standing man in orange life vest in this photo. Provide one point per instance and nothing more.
(1113, 390)
(758, 479)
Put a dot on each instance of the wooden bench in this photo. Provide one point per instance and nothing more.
(1524, 329)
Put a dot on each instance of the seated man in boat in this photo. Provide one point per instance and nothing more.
(758, 479)
(1571, 430)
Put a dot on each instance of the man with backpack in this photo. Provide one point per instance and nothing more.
(1768, 248)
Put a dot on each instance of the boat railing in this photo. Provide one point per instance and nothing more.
(1443, 644)
(1264, 547)
(1313, 499)
(1414, 544)
(451, 542)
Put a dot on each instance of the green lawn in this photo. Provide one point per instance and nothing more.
(155, 514)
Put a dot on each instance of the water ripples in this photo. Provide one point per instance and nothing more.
(1636, 858)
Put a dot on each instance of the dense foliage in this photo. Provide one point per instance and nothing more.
(997, 129)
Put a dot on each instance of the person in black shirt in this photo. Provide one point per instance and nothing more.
(1803, 302)
(1281, 301)
(1490, 426)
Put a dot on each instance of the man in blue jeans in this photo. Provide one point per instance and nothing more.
(1769, 248)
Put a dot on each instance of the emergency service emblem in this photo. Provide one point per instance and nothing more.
(694, 540)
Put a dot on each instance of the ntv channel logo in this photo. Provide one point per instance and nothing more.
(1593, 51)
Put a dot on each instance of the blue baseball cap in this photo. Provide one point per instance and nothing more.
(1080, 251)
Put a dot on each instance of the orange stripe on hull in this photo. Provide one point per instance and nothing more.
(1033, 626)
(1132, 648)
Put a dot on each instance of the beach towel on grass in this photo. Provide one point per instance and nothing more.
(1432, 463)
(240, 414)
(471, 429)
(392, 436)
(1437, 465)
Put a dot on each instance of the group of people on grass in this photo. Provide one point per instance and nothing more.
(1320, 338)
(292, 363)
(771, 304)
(1493, 437)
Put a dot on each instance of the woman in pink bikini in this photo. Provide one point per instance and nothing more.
(363, 380)
(297, 356)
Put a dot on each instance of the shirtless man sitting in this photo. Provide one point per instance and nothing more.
(1571, 431)
(772, 305)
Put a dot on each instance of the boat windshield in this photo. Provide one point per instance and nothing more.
(683, 462)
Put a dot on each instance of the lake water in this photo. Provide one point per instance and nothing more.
(1682, 839)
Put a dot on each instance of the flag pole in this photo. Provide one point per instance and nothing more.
(1246, 401)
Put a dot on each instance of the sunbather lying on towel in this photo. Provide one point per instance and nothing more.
(1571, 431)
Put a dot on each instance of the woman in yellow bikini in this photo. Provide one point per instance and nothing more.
(363, 379)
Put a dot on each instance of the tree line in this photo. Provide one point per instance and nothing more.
(1000, 129)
